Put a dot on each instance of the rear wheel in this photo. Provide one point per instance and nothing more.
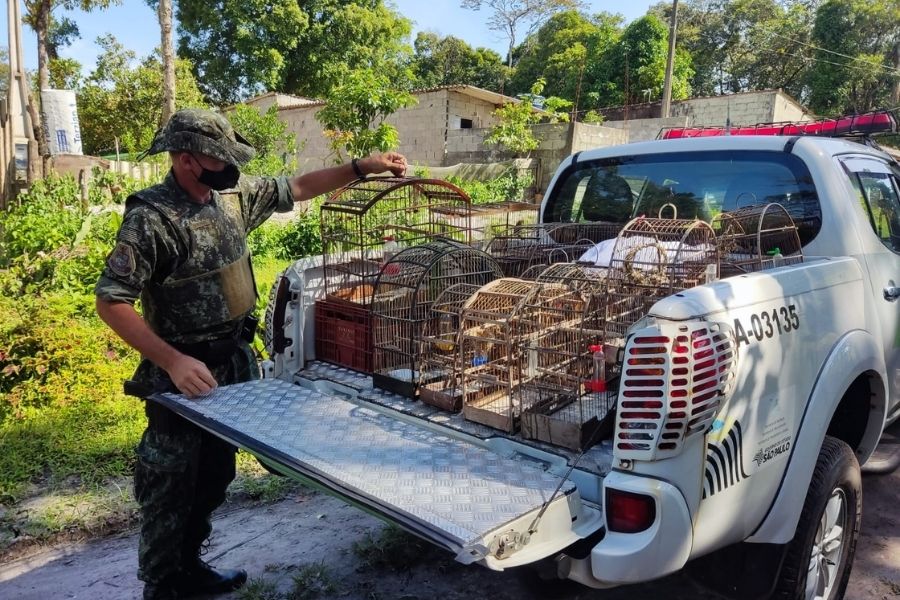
(819, 558)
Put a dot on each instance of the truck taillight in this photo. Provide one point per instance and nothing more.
(627, 512)
(674, 378)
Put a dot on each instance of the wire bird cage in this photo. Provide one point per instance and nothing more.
(370, 217)
(404, 293)
(490, 220)
(756, 237)
(363, 224)
(652, 259)
(523, 247)
(440, 349)
(524, 345)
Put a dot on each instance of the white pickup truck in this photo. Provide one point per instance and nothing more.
(763, 493)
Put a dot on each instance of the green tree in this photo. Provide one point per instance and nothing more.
(276, 147)
(514, 120)
(241, 47)
(122, 98)
(562, 50)
(65, 73)
(355, 111)
(742, 45)
(637, 62)
(51, 34)
(449, 60)
(509, 17)
(857, 46)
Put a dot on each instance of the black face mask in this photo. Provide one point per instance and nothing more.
(219, 180)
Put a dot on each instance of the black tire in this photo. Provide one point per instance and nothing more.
(835, 481)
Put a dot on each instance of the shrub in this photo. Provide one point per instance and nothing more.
(510, 186)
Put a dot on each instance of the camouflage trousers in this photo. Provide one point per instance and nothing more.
(180, 478)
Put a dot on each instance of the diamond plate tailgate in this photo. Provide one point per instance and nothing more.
(445, 487)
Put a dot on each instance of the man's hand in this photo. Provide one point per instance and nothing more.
(385, 161)
(191, 376)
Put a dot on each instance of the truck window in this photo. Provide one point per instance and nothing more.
(699, 184)
(876, 191)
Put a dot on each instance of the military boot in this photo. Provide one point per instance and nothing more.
(199, 578)
(161, 591)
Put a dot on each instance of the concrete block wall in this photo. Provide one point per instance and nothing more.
(588, 136)
(421, 128)
(643, 130)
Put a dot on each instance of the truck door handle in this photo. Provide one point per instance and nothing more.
(891, 293)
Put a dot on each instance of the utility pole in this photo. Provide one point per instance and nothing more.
(670, 62)
(20, 154)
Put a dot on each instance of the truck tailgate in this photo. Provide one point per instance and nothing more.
(446, 487)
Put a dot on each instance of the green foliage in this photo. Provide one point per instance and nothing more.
(513, 129)
(449, 60)
(122, 98)
(47, 217)
(561, 52)
(295, 239)
(259, 589)
(510, 186)
(592, 117)
(509, 17)
(640, 54)
(62, 412)
(48, 245)
(859, 80)
(4, 70)
(65, 73)
(355, 112)
(276, 147)
(243, 47)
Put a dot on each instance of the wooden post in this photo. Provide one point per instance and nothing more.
(83, 180)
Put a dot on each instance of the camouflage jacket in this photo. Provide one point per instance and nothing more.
(188, 262)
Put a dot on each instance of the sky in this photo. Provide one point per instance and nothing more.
(135, 25)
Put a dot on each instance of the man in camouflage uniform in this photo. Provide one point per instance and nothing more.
(182, 249)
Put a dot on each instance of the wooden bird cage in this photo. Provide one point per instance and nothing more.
(756, 237)
(652, 259)
(577, 275)
(357, 219)
(557, 403)
(404, 293)
(527, 246)
(524, 345)
(440, 349)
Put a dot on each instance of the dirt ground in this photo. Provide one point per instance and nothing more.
(276, 541)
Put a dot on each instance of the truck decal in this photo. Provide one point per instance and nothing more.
(725, 462)
(767, 324)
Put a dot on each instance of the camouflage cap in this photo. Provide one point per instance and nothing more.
(204, 132)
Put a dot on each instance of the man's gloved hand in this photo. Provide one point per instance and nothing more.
(384, 161)
(191, 376)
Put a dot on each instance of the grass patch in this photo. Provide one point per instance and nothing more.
(259, 589)
(392, 548)
(312, 581)
(255, 483)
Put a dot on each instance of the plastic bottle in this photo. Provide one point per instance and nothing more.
(597, 382)
(777, 258)
(389, 249)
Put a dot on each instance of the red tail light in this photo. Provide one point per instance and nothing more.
(627, 512)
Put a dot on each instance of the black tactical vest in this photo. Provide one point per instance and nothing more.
(211, 284)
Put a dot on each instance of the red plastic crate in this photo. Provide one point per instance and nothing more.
(344, 334)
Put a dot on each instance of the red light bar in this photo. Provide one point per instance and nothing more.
(864, 124)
